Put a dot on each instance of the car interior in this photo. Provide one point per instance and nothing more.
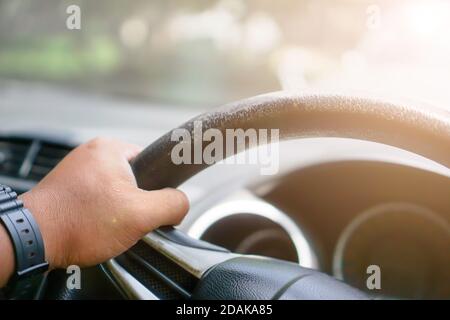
(357, 89)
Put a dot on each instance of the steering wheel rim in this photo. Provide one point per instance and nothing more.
(423, 130)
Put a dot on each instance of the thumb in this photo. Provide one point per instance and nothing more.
(153, 209)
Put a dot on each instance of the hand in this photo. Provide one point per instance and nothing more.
(89, 208)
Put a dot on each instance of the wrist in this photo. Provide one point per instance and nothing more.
(38, 204)
(7, 257)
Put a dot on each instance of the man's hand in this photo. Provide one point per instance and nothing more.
(89, 208)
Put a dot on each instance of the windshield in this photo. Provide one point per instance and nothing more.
(204, 53)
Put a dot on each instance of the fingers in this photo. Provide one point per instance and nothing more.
(130, 151)
(145, 210)
(152, 209)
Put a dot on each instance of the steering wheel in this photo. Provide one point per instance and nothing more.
(172, 264)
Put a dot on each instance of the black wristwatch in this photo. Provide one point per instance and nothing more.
(28, 245)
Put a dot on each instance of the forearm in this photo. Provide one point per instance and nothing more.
(6, 257)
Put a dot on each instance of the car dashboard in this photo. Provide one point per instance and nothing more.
(336, 214)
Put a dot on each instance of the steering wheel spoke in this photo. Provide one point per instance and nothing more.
(165, 259)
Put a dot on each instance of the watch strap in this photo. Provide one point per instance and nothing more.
(27, 241)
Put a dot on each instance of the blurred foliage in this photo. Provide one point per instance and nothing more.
(206, 52)
(171, 63)
(58, 58)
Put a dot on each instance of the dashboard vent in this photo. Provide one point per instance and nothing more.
(13, 152)
(29, 159)
(47, 157)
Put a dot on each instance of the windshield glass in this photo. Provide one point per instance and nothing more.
(208, 52)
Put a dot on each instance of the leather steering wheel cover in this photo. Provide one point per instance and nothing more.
(421, 129)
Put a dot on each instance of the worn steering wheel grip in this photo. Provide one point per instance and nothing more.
(423, 130)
